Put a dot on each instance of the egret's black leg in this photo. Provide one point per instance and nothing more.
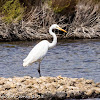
(39, 69)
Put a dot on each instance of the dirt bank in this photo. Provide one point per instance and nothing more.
(48, 87)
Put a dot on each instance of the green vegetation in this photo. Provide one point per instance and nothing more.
(12, 11)
(97, 1)
(61, 5)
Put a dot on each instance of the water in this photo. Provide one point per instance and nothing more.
(70, 58)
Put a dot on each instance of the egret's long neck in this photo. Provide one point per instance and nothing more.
(54, 42)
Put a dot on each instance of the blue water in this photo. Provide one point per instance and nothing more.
(70, 58)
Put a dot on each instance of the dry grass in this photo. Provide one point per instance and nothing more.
(86, 23)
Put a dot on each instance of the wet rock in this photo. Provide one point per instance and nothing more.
(56, 96)
(61, 95)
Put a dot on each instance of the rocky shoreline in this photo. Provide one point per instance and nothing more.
(45, 88)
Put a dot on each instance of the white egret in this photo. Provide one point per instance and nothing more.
(40, 50)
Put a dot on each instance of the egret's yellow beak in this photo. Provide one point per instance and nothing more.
(62, 29)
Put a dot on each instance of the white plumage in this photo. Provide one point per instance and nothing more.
(40, 50)
(34, 54)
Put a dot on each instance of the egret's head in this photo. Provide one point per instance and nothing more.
(55, 26)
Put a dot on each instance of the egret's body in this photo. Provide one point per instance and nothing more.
(34, 54)
(40, 50)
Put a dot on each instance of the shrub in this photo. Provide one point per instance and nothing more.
(12, 11)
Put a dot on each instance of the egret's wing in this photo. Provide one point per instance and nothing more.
(37, 53)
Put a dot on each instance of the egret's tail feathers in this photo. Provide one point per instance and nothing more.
(28, 61)
(25, 64)
(25, 60)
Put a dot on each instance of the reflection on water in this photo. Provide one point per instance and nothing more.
(70, 58)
